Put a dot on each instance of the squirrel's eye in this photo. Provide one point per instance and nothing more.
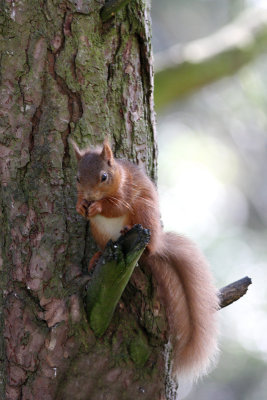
(104, 177)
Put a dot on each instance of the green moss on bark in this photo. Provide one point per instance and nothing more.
(66, 74)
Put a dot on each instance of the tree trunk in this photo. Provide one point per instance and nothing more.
(65, 73)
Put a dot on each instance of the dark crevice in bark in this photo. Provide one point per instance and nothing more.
(117, 145)
(84, 261)
(35, 120)
(112, 65)
(75, 109)
(119, 34)
(147, 84)
(144, 74)
(74, 72)
(35, 126)
(67, 24)
(20, 395)
(109, 72)
(25, 72)
(21, 91)
(74, 99)
(33, 300)
(27, 54)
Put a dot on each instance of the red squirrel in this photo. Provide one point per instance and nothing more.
(114, 193)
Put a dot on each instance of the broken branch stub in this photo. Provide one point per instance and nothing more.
(232, 292)
(111, 275)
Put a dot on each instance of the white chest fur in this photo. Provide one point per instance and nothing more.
(110, 227)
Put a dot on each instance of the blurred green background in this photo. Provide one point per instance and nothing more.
(213, 188)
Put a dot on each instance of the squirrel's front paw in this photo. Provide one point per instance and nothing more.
(82, 207)
(94, 209)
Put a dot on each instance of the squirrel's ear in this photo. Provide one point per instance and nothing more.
(78, 152)
(106, 153)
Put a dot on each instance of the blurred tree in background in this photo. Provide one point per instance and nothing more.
(212, 164)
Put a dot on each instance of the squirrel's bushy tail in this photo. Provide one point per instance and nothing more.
(191, 301)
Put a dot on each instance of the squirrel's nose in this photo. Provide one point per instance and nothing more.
(92, 195)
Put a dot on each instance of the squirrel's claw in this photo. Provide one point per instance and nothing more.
(82, 207)
(94, 209)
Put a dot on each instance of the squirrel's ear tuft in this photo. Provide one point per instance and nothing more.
(78, 152)
(106, 153)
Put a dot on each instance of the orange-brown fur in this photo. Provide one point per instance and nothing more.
(184, 280)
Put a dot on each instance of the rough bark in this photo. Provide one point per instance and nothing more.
(111, 8)
(65, 73)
